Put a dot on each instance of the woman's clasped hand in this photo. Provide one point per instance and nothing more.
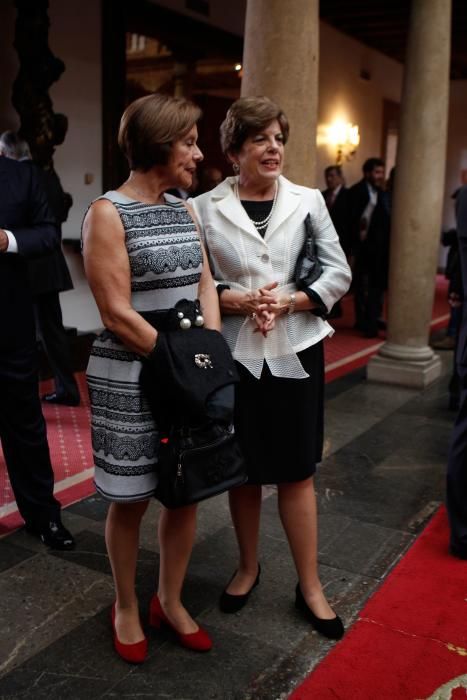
(263, 306)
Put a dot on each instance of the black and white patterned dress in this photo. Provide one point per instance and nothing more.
(166, 263)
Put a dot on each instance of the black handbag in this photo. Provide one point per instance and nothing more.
(308, 267)
(198, 463)
(189, 381)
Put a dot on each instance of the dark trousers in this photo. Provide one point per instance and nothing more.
(24, 438)
(456, 495)
(454, 387)
(54, 338)
(368, 300)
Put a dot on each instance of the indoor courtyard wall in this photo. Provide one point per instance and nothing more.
(344, 95)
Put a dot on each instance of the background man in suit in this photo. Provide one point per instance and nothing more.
(457, 464)
(336, 196)
(370, 224)
(49, 275)
(27, 229)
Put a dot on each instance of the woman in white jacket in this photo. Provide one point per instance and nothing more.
(253, 227)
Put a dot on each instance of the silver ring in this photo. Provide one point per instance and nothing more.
(253, 315)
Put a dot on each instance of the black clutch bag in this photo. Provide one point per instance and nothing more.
(307, 268)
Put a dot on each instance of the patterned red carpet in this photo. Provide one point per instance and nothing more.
(70, 450)
(68, 428)
(410, 640)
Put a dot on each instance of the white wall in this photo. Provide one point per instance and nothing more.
(343, 94)
(75, 37)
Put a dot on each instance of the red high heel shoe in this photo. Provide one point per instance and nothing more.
(196, 641)
(133, 653)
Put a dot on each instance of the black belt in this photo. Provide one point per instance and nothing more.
(183, 316)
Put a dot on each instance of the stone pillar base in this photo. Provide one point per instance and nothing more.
(416, 375)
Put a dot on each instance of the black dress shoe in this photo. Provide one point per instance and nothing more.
(233, 603)
(458, 551)
(332, 629)
(63, 399)
(53, 534)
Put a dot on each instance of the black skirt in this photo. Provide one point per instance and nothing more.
(279, 422)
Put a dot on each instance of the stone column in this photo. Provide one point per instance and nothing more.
(406, 357)
(280, 60)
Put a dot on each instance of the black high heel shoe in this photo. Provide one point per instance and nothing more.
(332, 629)
(233, 603)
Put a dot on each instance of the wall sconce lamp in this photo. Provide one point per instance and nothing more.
(345, 137)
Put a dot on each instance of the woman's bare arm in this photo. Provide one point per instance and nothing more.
(107, 268)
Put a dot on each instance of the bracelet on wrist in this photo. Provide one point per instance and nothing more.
(291, 304)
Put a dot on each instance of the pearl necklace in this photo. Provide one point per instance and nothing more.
(260, 225)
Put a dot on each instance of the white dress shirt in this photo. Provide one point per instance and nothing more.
(12, 244)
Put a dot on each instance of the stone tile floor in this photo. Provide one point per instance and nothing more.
(382, 478)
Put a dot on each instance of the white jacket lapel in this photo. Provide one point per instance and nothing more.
(230, 207)
(288, 199)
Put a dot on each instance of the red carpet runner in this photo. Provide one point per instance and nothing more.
(70, 451)
(68, 428)
(410, 640)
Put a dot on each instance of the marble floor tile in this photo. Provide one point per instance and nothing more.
(41, 600)
(94, 507)
(11, 554)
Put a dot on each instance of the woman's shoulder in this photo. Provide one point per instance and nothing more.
(115, 197)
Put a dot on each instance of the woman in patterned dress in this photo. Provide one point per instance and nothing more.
(254, 230)
(142, 253)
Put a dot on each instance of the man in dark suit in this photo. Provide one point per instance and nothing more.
(336, 196)
(27, 229)
(457, 464)
(369, 233)
(49, 275)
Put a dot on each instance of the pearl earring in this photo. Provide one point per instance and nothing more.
(236, 168)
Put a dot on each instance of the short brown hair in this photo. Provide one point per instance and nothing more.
(150, 125)
(248, 116)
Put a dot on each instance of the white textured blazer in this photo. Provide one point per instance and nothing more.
(242, 259)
